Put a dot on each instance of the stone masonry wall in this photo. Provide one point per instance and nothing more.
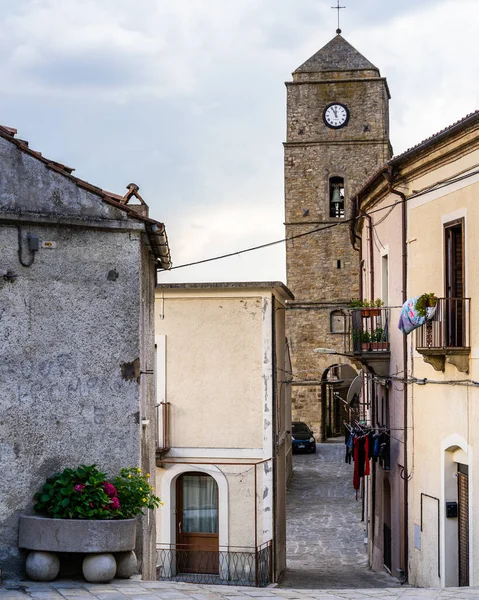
(313, 154)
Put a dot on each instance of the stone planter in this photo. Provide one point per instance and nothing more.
(108, 546)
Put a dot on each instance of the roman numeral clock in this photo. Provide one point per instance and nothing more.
(336, 115)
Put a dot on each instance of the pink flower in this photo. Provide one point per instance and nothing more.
(91, 504)
(110, 489)
(79, 487)
(115, 503)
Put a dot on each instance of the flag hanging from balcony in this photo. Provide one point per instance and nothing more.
(409, 318)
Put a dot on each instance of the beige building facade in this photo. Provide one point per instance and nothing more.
(420, 237)
(224, 444)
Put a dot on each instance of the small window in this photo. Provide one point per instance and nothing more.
(338, 321)
(336, 197)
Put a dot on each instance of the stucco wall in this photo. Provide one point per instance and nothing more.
(66, 327)
(444, 416)
(229, 407)
(386, 240)
(68, 323)
(147, 403)
(213, 354)
(236, 498)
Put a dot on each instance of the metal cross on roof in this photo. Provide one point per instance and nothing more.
(338, 8)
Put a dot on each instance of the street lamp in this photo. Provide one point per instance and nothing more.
(330, 351)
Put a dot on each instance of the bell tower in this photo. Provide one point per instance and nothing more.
(337, 137)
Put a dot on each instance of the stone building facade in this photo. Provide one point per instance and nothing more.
(77, 276)
(337, 136)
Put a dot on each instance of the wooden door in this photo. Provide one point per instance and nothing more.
(197, 524)
(463, 518)
(454, 284)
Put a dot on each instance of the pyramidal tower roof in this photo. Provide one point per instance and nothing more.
(337, 55)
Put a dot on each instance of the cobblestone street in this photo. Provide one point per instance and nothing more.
(156, 590)
(326, 553)
(325, 547)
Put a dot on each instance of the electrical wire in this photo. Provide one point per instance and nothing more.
(261, 246)
(24, 263)
(332, 225)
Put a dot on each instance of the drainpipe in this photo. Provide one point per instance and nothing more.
(274, 449)
(354, 237)
(390, 177)
(371, 254)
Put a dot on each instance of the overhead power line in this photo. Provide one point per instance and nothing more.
(335, 224)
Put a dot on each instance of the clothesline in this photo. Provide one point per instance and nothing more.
(363, 444)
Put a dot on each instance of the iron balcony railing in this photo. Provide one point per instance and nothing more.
(448, 328)
(162, 415)
(229, 565)
(367, 330)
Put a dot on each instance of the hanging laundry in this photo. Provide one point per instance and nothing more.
(409, 319)
(367, 468)
(356, 479)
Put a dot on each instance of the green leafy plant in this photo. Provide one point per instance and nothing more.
(76, 494)
(425, 301)
(366, 337)
(357, 303)
(85, 493)
(135, 492)
(377, 335)
(361, 336)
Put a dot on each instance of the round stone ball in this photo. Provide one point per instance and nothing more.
(126, 564)
(99, 568)
(42, 566)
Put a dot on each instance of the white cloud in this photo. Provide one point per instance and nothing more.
(428, 58)
(187, 99)
(211, 231)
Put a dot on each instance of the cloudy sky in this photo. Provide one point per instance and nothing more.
(186, 98)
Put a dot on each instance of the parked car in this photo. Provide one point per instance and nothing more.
(302, 438)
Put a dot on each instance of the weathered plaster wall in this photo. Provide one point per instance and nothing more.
(28, 186)
(68, 323)
(228, 405)
(147, 403)
(214, 349)
(66, 326)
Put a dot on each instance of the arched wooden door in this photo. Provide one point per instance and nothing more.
(197, 524)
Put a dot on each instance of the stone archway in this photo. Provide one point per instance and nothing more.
(335, 383)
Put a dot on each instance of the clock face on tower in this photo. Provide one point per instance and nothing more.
(336, 115)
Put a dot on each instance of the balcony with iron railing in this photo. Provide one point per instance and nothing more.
(228, 565)
(367, 338)
(446, 335)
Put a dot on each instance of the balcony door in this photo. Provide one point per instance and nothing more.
(197, 524)
(454, 284)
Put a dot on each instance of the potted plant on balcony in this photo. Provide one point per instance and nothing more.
(423, 303)
(378, 341)
(80, 511)
(362, 339)
(369, 308)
